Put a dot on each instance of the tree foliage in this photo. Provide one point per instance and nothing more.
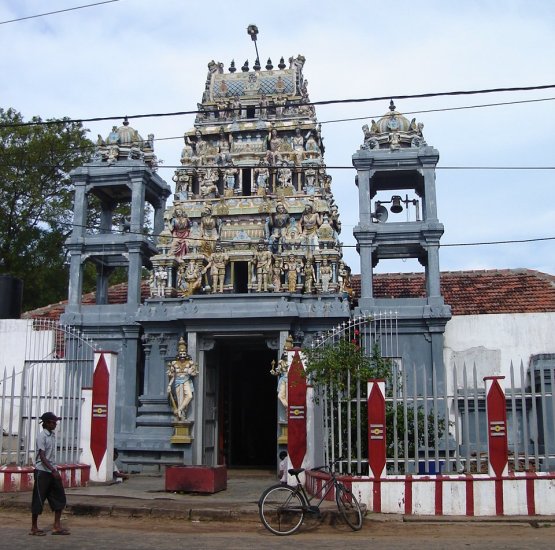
(36, 201)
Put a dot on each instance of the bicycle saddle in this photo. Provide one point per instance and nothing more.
(295, 471)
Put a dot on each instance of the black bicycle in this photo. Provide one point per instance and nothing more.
(283, 508)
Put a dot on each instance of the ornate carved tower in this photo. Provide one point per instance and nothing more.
(396, 167)
(121, 172)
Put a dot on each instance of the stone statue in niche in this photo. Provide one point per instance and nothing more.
(285, 177)
(277, 272)
(261, 177)
(230, 175)
(160, 281)
(273, 144)
(189, 278)
(292, 268)
(180, 227)
(309, 275)
(263, 262)
(281, 370)
(297, 144)
(325, 275)
(208, 187)
(180, 373)
(217, 264)
(310, 222)
(210, 230)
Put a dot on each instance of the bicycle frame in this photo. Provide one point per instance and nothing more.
(329, 484)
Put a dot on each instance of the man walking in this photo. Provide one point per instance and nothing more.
(48, 482)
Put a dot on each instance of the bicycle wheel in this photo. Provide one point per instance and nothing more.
(281, 510)
(348, 507)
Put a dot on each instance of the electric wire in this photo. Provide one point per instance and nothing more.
(57, 11)
(314, 103)
(231, 242)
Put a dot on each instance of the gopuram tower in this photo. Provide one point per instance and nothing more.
(245, 260)
(253, 209)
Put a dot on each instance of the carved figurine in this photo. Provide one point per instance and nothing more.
(281, 370)
(180, 373)
(292, 268)
(310, 222)
(160, 281)
(297, 143)
(263, 261)
(208, 187)
(217, 264)
(261, 175)
(273, 144)
(309, 275)
(230, 175)
(325, 275)
(209, 229)
(189, 279)
(187, 151)
(180, 227)
(285, 177)
(277, 272)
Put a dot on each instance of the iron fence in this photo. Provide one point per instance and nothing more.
(435, 417)
(44, 369)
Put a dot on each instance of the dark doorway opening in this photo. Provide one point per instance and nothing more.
(241, 277)
(246, 182)
(248, 404)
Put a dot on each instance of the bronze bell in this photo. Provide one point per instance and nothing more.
(396, 205)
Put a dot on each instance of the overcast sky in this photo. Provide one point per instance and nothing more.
(144, 56)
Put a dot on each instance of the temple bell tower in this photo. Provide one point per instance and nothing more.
(398, 220)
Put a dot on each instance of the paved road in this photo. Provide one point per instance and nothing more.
(141, 533)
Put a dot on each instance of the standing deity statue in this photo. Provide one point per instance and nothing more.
(180, 227)
(281, 370)
(160, 281)
(261, 177)
(309, 275)
(263, 262)
(224, 147)
(209, 229)
(277, 272)
(310, 222)
(325, 275)
(201, 148)
(180, 373)
(263, 106)
(297, 143)
(217, 264)
(187, 151)
(230, 175)
(285, 177)
(292, 268)
(273, 144)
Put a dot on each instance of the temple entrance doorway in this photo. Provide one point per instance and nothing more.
(247, 403)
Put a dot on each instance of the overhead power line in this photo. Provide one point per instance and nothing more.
(57, 11)
(325, 102)
(230, 242)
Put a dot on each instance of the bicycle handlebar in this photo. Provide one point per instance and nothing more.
(327, 466)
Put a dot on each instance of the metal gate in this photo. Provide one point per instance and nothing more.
(44, 367)
(344, 405)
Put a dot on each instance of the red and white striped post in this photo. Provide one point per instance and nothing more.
(376, 437)
(296, 413)
(498, 448)
(103, 407)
